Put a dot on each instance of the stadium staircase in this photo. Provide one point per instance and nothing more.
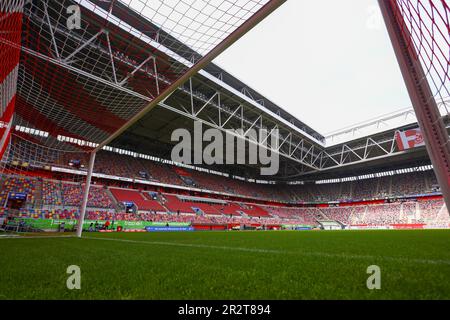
(254, 210)
(135, 196)
(2, 181)
(164, 206)
(402, 213)
(162, 201)
(321, 216)
(59, 191)
(174, 204)
(199, 211)
(243, 214)
(118, 206)
(365, 213)
(38, 201)
(417, 211)
(232, 209)
(442, 214)
(359, 218)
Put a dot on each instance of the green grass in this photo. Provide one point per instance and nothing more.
(230, 265)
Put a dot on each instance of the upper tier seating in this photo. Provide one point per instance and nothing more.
(161, 172)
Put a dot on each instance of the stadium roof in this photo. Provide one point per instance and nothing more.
(104, 81)
(91, 81)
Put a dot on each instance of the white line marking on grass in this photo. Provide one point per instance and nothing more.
(34, 237)
(255, 250)
(190, 245)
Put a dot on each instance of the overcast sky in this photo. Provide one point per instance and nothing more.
(330, 63)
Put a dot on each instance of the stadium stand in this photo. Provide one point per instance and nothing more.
(175, 205)
(15, 185)
(72, 195)
(56, 199)
(229, 209)
(432, 212)
(142, 203)
(408, 184)
(340, 214)
(254, 210)
(51, 193)
(364, 189)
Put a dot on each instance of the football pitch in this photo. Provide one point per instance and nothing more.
(229, 265)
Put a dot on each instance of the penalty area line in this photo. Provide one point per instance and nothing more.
(33, 237)
(189, 245)
(301, 253)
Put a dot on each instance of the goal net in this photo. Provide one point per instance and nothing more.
(426, 27)
(76, 73)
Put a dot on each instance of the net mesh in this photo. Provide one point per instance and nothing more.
(10, 33)
(427, 29)
(72, 72)
(38, 182)
(87, 67)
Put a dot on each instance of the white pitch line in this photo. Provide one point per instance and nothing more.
(318, 254)
(34, 237)
(190, 245)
